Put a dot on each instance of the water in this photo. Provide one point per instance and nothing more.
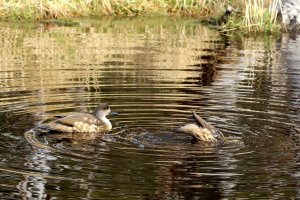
(153, 72)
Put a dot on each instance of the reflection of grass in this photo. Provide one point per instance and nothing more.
(54, 51)
(254, 15)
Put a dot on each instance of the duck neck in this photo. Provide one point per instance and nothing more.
(104, 120)
(107, 122)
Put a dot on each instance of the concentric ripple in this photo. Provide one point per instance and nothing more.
(154, 73)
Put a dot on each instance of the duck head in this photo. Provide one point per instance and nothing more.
(102, 110)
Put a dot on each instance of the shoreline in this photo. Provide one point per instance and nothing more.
(250, 17)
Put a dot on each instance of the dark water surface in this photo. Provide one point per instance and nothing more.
(154, 72)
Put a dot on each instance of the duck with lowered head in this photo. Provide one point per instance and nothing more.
(77, 122)
(201, 130)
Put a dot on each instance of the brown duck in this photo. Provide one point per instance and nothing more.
(202, 130)
(81, 122)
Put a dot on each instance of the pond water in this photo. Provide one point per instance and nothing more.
(153, 72)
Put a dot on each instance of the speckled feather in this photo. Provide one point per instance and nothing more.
(205, 125)
(202, 131)
(77, 122)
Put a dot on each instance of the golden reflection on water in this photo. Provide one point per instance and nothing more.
(156, 72)
(52, 53)
(41, 60)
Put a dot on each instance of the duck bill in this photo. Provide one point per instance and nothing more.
(113, 113)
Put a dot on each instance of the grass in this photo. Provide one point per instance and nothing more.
(260, 16)
(41, 9)
(255, 14)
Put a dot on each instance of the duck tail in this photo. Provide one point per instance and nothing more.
(204, 124)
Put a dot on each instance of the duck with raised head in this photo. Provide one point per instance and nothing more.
(77, 122)
(202, 130)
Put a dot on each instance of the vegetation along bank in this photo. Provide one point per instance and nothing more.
(263, 16)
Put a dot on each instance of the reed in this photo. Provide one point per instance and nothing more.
(255, 14)
(41, 9)
(259, 16)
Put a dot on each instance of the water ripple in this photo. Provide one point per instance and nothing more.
(153, 73)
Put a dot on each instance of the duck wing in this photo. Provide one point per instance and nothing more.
(52, 127)
(74, 122)
(71, 120)
(201, 122)
(72, 114)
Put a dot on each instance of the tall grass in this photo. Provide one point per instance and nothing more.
(255, 14)
(41, 9)
(260, 16)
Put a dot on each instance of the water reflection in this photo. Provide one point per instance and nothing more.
(34, 186)
(154, 73)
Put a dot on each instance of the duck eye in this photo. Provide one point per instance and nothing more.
(106, 108)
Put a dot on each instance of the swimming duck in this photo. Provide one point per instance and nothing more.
(202, 131)
(77, 122)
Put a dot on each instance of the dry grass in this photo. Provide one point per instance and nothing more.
(258, 16)
(255, 15)
(41, 9)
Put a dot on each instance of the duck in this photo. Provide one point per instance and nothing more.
(77, 122)
(201, 130)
